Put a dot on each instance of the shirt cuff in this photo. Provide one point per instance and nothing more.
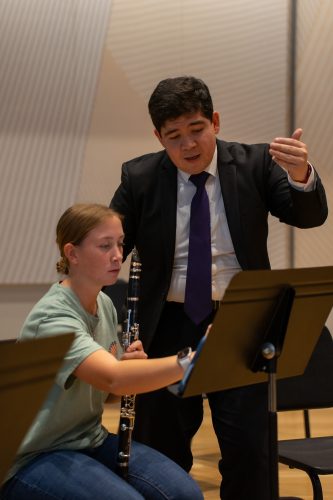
(310, 185)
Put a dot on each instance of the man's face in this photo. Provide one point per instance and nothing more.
(190, 141)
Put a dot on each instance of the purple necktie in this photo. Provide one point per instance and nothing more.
(198, 291)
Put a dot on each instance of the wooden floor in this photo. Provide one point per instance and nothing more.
(206, 453)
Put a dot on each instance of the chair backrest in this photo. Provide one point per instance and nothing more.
(118, 295)
(313, 389)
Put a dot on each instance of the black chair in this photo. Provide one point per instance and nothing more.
(118, 295)
(312, 390)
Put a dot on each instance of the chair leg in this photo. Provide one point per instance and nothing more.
(307, 429)
(316, 485)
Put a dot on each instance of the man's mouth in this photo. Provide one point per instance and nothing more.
(192, 158)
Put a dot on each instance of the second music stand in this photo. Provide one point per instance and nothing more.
(266, 328)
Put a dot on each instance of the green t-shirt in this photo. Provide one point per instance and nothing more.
(71, 416)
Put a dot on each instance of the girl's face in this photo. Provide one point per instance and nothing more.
(97, 259)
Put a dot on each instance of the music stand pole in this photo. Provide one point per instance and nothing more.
(269, 353)
(266, 361)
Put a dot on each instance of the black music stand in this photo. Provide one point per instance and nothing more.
(266, 328)
(27, 372)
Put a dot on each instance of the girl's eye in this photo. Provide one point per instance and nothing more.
(105, 247)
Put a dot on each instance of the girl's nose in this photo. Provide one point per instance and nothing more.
(117, 255)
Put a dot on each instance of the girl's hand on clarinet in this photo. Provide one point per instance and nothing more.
(135, 351)
(208, 329)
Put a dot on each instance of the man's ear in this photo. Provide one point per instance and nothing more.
(216, 121)
(158, 135)
(70, 253)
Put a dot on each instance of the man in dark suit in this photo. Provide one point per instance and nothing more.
(245, 184)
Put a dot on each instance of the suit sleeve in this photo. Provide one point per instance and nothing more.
(292, 206)
(123, 203)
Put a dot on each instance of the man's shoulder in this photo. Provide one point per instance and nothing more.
(240, 146)
(239, 152)
(147, 161)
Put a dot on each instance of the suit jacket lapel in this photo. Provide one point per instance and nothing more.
(168, 203)
(228, 178)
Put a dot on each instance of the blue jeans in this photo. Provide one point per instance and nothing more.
(88, 474)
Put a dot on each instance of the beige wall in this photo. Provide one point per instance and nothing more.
(78, 75)
(314, 111)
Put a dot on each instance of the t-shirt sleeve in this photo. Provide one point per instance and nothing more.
(82, 346)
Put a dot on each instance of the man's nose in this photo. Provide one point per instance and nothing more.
(188, 142)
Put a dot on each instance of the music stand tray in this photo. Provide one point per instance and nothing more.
(27, 372)
(264, 317)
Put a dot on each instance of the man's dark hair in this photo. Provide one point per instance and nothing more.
(174, 97)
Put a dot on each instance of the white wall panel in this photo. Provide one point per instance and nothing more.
(314, 111)
(50, 54)
(239, 47)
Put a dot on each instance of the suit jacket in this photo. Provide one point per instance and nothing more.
(252, 185)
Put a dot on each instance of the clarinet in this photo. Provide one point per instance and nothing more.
(130, 334)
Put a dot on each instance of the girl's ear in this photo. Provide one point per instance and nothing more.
(70, 253)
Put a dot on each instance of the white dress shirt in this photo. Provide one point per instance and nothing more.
(224, 261)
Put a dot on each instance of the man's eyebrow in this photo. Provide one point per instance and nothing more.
(191, 124)
(171, 131)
